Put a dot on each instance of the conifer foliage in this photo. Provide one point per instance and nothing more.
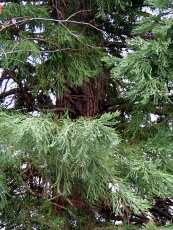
(79, 148)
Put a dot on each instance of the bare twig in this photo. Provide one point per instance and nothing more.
(53, 51)
(78, 12)
(63, 21)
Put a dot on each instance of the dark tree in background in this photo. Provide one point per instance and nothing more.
(86, 114)
(63, 58)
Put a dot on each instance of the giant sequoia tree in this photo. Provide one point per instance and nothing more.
(79, 148)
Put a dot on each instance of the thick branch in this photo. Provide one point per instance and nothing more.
(9, 93)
